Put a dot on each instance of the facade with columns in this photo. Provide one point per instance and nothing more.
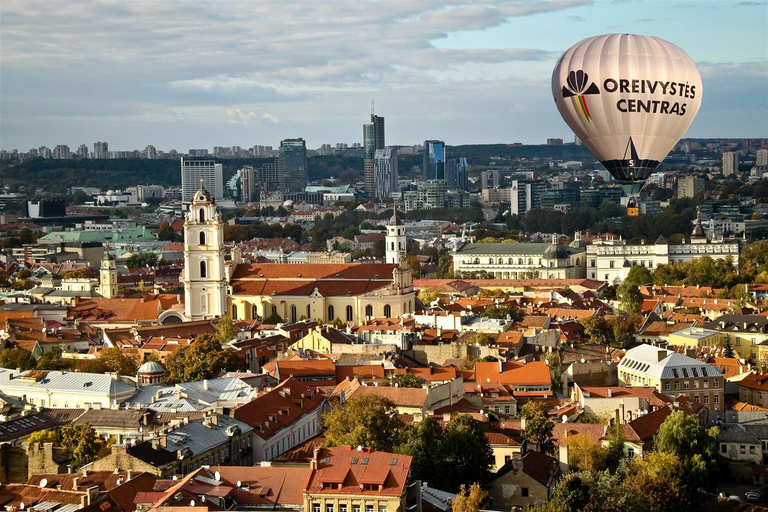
(520, 260)
(204, 277)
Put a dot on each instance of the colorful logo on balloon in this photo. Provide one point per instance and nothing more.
(576, 86)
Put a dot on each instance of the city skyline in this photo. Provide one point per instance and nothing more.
(244, 74)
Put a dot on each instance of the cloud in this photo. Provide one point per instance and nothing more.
(248, 119)
(577, 19)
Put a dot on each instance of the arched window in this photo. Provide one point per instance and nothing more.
(274, 309)
(387, 310)
(392, 245)
(330, 313)
(309, 311)
(400, 245)
(368, 310)
(477, 261)
(234, 312)
(490, 261)
(519, 261)
(202, 238)
(203, 269)
(201, 215)
(349, 313)
(293, 314)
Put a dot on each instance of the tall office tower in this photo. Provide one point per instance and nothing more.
(525, 195)
(761, 158)
(292, 166)
(385, 172)
(150, 152)
(250, 184)
(373, 139)
(61, 152)
(434, 160)
(195, 169)
(730, 163)
(456, 173)
(82, 151)
(101, 150)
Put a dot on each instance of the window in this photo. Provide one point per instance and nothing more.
(203, 269)
(723, 448)
(630, 453)
(368, 310)
(355, 508)
(524, 492)
(611, 264)
(274, 309)
(677, 385)
(234, 312)
(490, 261)
(202, 238)
(696, 398)
(506, 409)
(687, 385)
(752, 450)
(507, 458)
(717, 399)
(293, 314)
(666, 386)
(342, 507)
(742, 449)
(349, 313)
(593, 263)
(706, 384)
(329, 507)
(382, 508)
(330, 313)
(201, 215)
(716, 383)
(706, 399)
(387, 311)
(368, 508)
(315, 507)
(254, 311)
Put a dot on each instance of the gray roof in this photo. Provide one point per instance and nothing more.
(82, 384)
(736, 433)
(645, 359)
(526, 248)
(151, 367)
(199, 437)
(192, 396)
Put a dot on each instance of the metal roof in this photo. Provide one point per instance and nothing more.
(645, 359)
(523, 248)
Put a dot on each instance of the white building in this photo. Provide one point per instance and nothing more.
(64, 389)
(611, 260)
(521, 260)
(730, 163)
(395, 240)
(195, 169)
(204, 278)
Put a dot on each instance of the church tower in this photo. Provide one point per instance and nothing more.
(108, 276)
(205, 284)
(395, 239)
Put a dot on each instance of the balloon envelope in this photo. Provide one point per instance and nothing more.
(629, 99)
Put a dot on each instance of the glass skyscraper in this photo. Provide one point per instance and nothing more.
(373, 139)
(434, 160)
(292, 166)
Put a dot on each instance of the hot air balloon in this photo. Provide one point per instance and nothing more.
(630, 99)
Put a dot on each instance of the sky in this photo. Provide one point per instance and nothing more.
(181, 74)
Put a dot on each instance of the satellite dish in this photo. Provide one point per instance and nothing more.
(43, 483)
(565, 418)
(239, 483)
(217, 475)
(43, 330)
(21, 505)
(359, 448)
(192, 503)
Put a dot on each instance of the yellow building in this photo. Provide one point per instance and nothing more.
(673, 375)
(351, 292)
(747, 334)
(345, 479)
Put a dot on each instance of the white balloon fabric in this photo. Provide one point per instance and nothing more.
(629, 98)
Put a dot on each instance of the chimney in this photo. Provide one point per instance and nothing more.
(315, 455)
(523, 423)
(129, 475)
(562, 457)
(610, 393)
(622, 412)
(661, 355)
(205, 384)
(501, 366)
(75, 483)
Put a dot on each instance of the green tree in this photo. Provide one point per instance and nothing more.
(656, 483)
(623, 329)
(273, 319)
(497, 293)
(683, 436)
(165, 232)
(430, 294)
(539, 427)
(588, 491)
(379, 249)
(124, 362)
(80, 273)
(465, 450)
(469, 500)
(585, 454)
(503, 311)
(142, 259)
(404, 380)
(422, 442)
(44, 436)
(415, 265)
(369, 421)
(481, 338)
(727, 348)
(202, 359)
(227, 331)
(81, 440)
(445, 265)
(597, 328)
(17, 357)
(52, 360)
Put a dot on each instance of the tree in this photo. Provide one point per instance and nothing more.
(142, 259)
(656, 483)
(727, 348)
(43, 436)
(469, 500)
(17, 357)
(415, 265)
(683, 436)
(370, 421)
(404, 380)
(202, 359)
(165, 232)
(597, 329)
(623, 329)
(539, 427)
(52, 360)
(481, 338)
(497, 293)
(124, 362)
(430, 294)
(587, 491)
(379, 249)
(445, 265)
(422, 442)
(585, 454)
(273, 319)
(465, 450)
(507, 310)
(80, 273)
(227, 330)
(81, 440)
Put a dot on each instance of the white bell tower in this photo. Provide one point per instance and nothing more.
(108, 276)
(395, 239)
(205, 283)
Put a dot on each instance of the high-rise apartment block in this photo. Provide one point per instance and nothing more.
(82, 151)
(61, 152)
(730, 163)
(100, 150)
(385, 172)
(195, 169)
(373, 139)
(690, 186)
(292, 166)
(761, 157)
(434, 160)
(150, 152)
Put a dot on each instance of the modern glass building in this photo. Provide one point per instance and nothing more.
(456, 173)
(373, 140)
(434, 160)
(385, 172)
(292, 165)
